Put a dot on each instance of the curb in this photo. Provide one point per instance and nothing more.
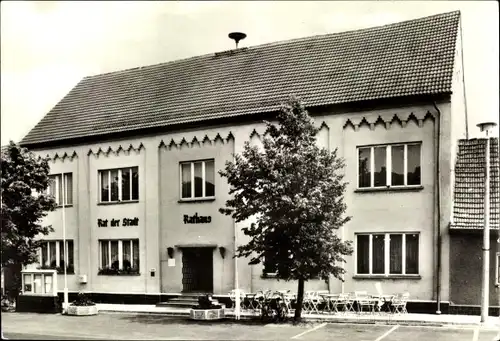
(415, 323)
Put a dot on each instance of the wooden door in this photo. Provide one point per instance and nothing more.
(197, 270)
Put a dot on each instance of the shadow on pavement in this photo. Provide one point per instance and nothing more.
(166, 320)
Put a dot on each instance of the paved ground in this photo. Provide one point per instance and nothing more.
(125, 326)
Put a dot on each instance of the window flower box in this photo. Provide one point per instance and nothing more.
(70, 270)
(118, 272)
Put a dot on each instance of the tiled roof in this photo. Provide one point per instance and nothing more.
(468, 207)
(404, 59)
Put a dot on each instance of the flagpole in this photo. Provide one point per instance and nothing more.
(65, 304)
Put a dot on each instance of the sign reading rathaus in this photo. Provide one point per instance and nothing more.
(195, 219)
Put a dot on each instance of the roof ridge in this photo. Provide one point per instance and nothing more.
(274, 43)
(397, 23)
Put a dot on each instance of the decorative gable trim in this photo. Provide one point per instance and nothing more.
(116, 151)
(196, 142)
(60, 156)
(386, 121)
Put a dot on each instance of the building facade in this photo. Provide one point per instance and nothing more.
(138, 153)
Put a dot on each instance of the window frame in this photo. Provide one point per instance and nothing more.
(44, 292)
(120, 254)
(387, 254)
(203, 172)
(497, 270)
(388, 161)
(70, 268)
(120, 190)
(61, 177)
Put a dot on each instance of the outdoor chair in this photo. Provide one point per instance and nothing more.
(399, 303)
(384, 301)
(340, 301)
(349, 303)
(288, 298)
(311, 302)
(232, 296)
(366, 301)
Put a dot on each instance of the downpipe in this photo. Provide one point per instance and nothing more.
(437, 189)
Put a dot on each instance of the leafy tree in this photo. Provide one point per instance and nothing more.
(24, 204)
(295, 191)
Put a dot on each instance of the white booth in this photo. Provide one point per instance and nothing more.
(39, 282)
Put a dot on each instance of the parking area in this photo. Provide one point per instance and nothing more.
(127, 326)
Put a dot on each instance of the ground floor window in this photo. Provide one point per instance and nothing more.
(52, 256)
(497, 269)
(387, 253)
(119, 257)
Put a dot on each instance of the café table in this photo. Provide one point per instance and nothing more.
(331, 302)
(386, 301)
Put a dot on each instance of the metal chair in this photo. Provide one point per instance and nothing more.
(399, 303)
(366, 301)
(232, 296)
(311, 302)
(337, 301)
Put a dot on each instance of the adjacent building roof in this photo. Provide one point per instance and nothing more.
(410, 58)
(470, 171)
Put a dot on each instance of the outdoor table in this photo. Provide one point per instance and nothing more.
(328, 298)
(386, 305)
(254, 301)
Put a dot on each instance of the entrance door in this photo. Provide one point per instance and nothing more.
(197, 269)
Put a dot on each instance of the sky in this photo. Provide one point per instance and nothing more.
(47, 47)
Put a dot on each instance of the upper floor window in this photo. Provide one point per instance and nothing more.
(61, 187)
(270, 268)
(387, 254)
(389, 165)
(197, 179)
(52, 256)
(119, 184)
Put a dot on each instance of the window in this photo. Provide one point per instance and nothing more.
(197, 179)
(497, 269)
(119, 184)
(40, 284)
(387, 254)
(119, 257)
(269, 267)
(56, 186)
(51, 256)
(388, 166)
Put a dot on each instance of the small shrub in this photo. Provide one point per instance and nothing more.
(205, 302)
(7, 304)
(82, 300)
(117, 272)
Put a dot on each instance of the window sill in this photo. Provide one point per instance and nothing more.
(389, 189)
(268, 275)
(196, 200)
(387, 277)
(118, 202)
(65, 206)
(122, 274)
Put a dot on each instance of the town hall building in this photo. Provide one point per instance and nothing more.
(135, 154)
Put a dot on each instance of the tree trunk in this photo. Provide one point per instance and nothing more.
(12, 273)
(300, 298)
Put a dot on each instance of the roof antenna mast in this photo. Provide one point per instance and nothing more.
(237, 36)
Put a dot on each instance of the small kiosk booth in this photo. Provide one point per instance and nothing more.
(38, 292)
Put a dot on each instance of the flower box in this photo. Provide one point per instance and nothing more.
(82, 310)
(207, 314)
